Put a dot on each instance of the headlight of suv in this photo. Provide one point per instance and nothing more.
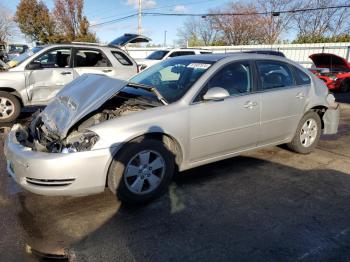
(80, 141)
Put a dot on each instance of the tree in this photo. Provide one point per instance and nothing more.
(275, 24)
(34, 21)
(7, 26)
(243, 29)
(197, 32)
(70, 22)
(316, 26)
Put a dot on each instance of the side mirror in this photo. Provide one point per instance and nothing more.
(216, 94)
(34, 66)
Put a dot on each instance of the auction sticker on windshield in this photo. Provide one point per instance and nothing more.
(199, 65)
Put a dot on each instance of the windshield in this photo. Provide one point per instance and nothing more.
(157, 55)
(19, 59)
(172, 78)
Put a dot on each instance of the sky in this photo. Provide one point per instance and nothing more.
(99, 11)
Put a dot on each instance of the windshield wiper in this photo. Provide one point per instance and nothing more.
(150, 89)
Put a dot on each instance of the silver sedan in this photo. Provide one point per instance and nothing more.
(179, 114)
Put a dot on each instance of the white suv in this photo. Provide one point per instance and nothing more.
(35, 77)
(163, 54)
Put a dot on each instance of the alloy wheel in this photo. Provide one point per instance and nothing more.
(308, 132)
(144, 172)
(7, 108)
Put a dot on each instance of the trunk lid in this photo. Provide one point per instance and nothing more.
(77, 99)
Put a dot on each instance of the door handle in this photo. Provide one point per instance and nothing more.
(300, 95)
(66, 73)
(250, 104)
(106, 70)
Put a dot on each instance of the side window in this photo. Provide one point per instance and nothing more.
(90, 58)
(181, 53)
(274, 74)
(236, 78)
(57, 58)
(122, 58)
(301, 77)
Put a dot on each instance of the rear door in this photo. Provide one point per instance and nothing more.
(55, 72)
(282, 102)
(91, 61)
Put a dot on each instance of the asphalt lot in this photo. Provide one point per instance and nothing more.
(269, 205)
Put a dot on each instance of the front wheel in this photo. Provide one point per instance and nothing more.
(307, 135)
(141, 172)
(10, 107)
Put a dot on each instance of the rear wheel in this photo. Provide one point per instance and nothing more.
(10, 107)
(141, 171)
(307, 135)
(345, 86)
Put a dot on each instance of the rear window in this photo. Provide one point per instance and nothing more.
(122, 58)
(301, 77)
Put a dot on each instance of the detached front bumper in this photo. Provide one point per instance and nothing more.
(331, 120)
(81, 173)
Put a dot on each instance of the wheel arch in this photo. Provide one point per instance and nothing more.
(320, 110)
(14, 92)
(167, 139)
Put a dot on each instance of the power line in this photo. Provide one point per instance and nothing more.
(242, 14)
(159, 7)
(222, 14)
(115, 20)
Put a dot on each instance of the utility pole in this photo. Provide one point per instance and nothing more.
(165, 38)
(139, 29)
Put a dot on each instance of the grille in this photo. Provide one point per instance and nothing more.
(49, 182)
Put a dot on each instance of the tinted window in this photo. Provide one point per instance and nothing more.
(274, 74)
(157, 55)
(182, 53)
(57, 58)
(235, 78)
(122, 58)
(90, 58)
(301, 77)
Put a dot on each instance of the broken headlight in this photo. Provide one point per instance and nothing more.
(80, 141)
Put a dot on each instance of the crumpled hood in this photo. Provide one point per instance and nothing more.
(77, 99)
(324, 60)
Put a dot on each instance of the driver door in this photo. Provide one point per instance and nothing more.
(47, 74)
(219, 128)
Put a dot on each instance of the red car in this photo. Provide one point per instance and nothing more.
(333, 70)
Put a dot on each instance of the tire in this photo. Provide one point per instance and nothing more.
(127, 172)
(345, 86)
(305, 140)
(10, 107)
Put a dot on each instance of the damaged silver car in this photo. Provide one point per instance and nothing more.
(179, 114)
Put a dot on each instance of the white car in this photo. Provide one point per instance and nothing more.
(163, 54)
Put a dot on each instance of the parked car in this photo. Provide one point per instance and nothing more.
(16, 50)
(333, 70)
(162, 54)
(37, 76)
(179, 114)
(3, 54)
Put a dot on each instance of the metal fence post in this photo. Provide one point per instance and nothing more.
(347, 53)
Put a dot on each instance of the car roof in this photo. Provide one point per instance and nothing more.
(237, 55)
